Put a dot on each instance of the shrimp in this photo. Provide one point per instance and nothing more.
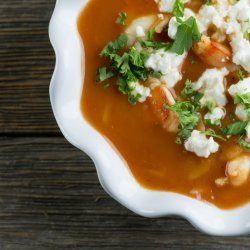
(146, 23)
(160, 96)
(237, 171)
(213, 53)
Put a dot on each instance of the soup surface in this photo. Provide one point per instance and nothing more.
(150, 150)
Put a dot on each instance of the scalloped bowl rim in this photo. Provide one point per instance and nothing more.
(115, 177)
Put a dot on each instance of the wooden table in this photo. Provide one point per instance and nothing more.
(50, 197)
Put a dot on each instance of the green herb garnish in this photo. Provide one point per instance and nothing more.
(243, 99)
(211, 132)
(178, 8)
(191, 94)
(103, 74)
(155, 45)
(127, 66)
(121, 19)
(187, 33)
(240, 75)
(113, 47)
(188, 118)
(236, 128)
(244, 145)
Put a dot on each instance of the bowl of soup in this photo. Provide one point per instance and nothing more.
(157, 93)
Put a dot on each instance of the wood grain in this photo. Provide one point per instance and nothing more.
(26, 66)
(51, 199)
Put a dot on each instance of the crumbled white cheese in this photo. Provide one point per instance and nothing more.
(230, 18)
(241, 51)
(168, 5)
(241, 113)
(215, 116)
(140, 32)
(241, 87)
(172, 27)
(211, 84)
(209, 15)
(169, 64)
(200, 145)
(137, 88)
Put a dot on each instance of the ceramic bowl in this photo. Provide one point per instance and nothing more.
(114, 175)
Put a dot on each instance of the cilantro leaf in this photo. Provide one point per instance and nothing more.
(237, 128)
(243, 99)
(113, 47)
(155, 45)
(191, 94)
(103, 74)
(216, 122)
(210, 132)
(121, 19)
(240, 75)
(128, 67)
(244, 145)
(151, 34)
(132, 99)
(187, 32)
(188, 117)
(188, 89)
(157, 74)
(208, 2)
(178, 8)
(210, 106)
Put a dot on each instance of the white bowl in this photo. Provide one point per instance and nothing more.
(114, 175)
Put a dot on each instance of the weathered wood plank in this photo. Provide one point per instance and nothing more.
(50, 198)
(26, 66)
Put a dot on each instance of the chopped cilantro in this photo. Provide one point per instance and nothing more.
(121, 19)
(214, 123)
(127, 66)
(156, 74)
(191, 94)
(246, 35)
(188, 89)
(236, 128)
(208, 2)
(241, 75)
(113, 47)
(210, 106)
(244, 145)
(211, 132)
(243, 99)
(187, 33)
(151, 34)
(155, 45)
(132, 99)
(178, 8)
(188, 118)
(103, 74)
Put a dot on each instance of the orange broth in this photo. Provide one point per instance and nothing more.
(151, 153)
